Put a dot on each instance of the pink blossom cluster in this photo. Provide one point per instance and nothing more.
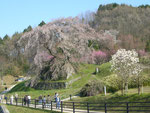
(45, 56)
(42, 57)
(141, 53)
(99, 57)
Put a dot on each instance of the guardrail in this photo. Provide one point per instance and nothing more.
(117, 107)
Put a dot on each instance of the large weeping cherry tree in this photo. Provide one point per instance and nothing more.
(125, 64)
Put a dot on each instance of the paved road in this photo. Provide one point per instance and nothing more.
(8, 89)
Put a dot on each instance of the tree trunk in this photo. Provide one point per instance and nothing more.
(142, 88)
(138, 85)
(126, 87)
(122, 89)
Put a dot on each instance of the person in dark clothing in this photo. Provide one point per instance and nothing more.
(25, 99)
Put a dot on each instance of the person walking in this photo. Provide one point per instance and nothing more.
(25, 99)
(29, 99)
(58, 102)
(11, 99)
(3, 96)
(44, 101)
(40, 99)
(55, 97)
(16, 97)
(6, 98)
(0, 98)
(48, 99)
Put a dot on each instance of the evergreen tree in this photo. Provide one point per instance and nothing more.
(1, 40)
(27, 29)
(6, 37)
(42, 23)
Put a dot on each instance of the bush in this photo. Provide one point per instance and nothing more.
(112, 83)
(145, 60)
(104, 70)
(92, 88)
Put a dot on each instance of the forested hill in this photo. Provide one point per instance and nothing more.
(126, 19)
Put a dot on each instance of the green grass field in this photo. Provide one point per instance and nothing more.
(132, 96)
(20, 109)
(85, 73)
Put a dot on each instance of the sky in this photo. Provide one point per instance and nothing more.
(16, 15)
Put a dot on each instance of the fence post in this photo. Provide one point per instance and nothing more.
(6, 100)
(105, 107)
(51, 105)
(22, 101)
(127, 108)
(16, 101)
(42, 104)
(70, 97)
(87, 107)
(28, 102)
(61, 107)
(73, 108)
(35, 103)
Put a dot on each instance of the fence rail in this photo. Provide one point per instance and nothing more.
(86, 107)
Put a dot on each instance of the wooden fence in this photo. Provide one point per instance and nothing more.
(115, 107)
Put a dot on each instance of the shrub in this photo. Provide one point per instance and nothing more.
(112, 83)
(92, 88)
(99, 57)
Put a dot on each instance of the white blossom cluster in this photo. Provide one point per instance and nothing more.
(125, 63)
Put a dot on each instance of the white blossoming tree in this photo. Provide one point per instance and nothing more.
(125, 64)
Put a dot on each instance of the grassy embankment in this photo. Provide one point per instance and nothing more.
(20, 109)
(8, 80)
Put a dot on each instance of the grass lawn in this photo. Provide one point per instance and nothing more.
(132, 96)
(20, 109)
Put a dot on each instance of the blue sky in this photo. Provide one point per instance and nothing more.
(16, 15)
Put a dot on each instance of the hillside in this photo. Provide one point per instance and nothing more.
(126, 19)
(84, 75)
(53, 49)
(131, 22)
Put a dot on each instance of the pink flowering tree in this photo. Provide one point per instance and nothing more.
(141, 53)
(99, 57)
(42, 57)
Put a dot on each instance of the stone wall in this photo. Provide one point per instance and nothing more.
(50, 85)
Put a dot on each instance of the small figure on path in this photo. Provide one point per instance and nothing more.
(16, 97)
(3, 97)
(44, 101)
(28, 99)
(58, 102)
(55, 97)
(11, 99)
(48, 99)
(25, 99)
(6, 98)
(40, 99)
(0, 98)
